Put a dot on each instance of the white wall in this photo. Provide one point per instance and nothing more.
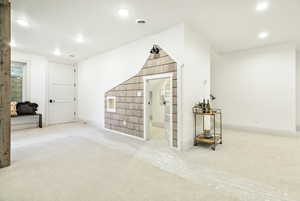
(257, 88)
(195, 80)
(298, 89)
(100, 73)
(37, 69)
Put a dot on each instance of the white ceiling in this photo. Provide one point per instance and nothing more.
(229, 25)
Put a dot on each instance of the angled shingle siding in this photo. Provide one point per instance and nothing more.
(130, 106)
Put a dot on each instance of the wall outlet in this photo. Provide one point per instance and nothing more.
(139, 93)
(124, 123)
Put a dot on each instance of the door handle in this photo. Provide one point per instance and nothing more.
(52, 101)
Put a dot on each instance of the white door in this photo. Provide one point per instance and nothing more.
(62, 93)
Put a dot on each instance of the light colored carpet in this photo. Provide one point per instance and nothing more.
(76, 162)
(157, 133)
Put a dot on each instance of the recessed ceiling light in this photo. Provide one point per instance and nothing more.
(263, 5)
(23, 22)
(140, 21)
(263, 35)
(79, 38)
(123, 12)
(57, 52)
(12, 43)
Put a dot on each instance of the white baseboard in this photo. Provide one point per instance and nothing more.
(124, 134)
(92, 123)
(261, 130)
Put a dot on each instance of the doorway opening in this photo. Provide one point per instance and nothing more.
(158, 112)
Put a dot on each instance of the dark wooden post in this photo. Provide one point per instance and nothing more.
(5, 24)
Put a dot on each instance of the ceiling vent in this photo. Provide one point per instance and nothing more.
(141, 21)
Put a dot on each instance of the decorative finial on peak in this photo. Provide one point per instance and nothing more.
(155, 49)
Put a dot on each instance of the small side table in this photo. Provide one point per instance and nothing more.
(216, 136)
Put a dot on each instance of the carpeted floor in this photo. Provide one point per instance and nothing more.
(76, 162)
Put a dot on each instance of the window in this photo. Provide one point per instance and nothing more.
(111, 104)
(17, 81)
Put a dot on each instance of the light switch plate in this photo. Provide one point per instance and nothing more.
(139, 93)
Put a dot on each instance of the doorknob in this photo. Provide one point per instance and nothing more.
(51, 101)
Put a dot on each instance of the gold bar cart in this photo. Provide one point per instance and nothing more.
(214, 137)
